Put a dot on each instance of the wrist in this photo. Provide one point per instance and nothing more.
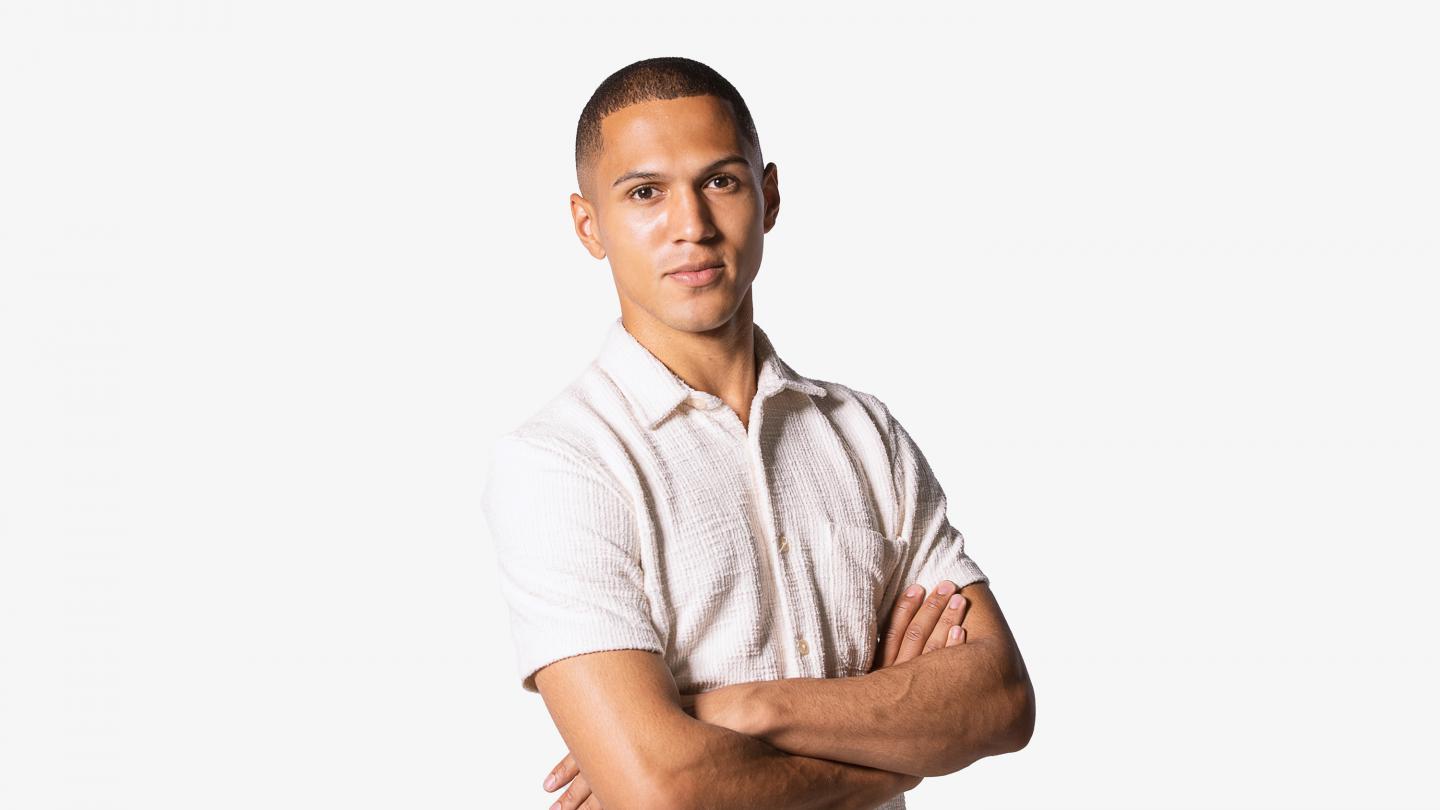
(757, 709)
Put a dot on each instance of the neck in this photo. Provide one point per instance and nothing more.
(720, 360)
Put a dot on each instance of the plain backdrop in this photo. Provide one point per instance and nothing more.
(1152, 284)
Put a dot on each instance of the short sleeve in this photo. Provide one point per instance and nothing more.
(566, 546)
(933, 549)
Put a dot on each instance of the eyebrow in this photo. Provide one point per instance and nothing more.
(636, 174)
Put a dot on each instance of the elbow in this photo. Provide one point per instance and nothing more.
(1018, 718)
(643, 793)
(1010, 731)
(645, 780)
(663, 771)
(663, 795)
(1022, 716)
(666, 782)
(672, 791)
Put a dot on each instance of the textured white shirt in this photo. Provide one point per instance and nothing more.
(635, 512)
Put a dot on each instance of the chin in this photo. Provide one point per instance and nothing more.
(694, 317)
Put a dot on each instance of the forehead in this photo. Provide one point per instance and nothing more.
(676, 130)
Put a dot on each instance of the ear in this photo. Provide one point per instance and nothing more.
(587, 226)
(770, 190)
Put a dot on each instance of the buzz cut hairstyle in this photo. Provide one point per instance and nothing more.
(663, 77)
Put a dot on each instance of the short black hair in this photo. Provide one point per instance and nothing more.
(663, 77)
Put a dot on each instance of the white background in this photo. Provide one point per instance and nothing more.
(1153, 285)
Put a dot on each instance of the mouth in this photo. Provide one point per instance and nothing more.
(696, 276)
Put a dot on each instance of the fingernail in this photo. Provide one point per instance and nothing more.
(555, 806)
(550, 782)
(955, 632)
(913, 592)
(955, 602)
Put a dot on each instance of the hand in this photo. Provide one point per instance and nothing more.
(919, 625)
(579, 795)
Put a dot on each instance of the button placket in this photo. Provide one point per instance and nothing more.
(786, 567)
(782, 580)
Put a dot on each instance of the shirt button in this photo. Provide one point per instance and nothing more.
(784, 544)
(803, 647)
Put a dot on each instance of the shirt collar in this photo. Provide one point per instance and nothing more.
(657, 391)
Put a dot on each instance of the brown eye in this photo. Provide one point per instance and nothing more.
(640, 189)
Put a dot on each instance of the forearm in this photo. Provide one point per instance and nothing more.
(928, 716)
(721, 768)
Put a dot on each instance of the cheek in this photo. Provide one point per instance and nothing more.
(630, 227)
(638, 251)
(640, 221)
(746, 217)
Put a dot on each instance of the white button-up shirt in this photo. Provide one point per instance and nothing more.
(635, 512)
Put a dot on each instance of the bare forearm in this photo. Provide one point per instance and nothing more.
(726, 769)
(928, 716)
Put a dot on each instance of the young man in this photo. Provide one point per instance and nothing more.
(696, 542)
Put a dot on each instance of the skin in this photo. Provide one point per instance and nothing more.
(915, 627)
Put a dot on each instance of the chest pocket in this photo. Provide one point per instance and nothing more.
(853, 566)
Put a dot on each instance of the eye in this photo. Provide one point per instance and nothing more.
(635, 193)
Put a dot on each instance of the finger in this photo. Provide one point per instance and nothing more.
(904, 610)
(951, 616)
(925, 625)
(912, 641)
(562, 773)
(577, 795)
(936, 632)
(955, 637)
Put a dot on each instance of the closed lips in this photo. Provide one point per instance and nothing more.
(691, 268)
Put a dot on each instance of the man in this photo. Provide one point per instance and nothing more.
(696, 542)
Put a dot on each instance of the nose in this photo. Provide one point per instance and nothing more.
(690, 219)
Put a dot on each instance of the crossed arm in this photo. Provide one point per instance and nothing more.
(799, 742)
(928, 716)
(639, 749)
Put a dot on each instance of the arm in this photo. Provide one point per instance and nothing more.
(969, 702)
(910, 632)
(570, 570)
(927, 716)
(619, 713)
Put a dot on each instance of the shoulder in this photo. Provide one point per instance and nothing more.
(578, 423)
(560, 444)
(854, 405)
